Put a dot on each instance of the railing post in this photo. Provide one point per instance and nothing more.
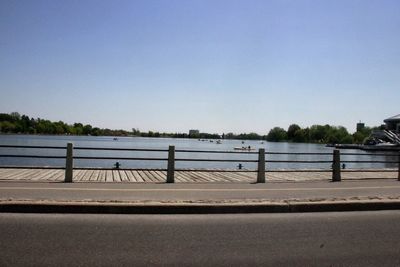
(171, 165)
(398, 171)
(69, 164)
(261, 166)
(336, 176)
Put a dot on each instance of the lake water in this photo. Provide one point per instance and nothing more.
(163, 143)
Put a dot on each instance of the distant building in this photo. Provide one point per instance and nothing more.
(393, 123)
(360, 126)
(194, 133)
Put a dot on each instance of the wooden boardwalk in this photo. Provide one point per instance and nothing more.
(156, 176)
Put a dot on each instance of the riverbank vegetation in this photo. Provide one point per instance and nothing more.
(325, 134)
(17, 124)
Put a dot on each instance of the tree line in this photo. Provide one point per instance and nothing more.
(15, 123)
(325, 134)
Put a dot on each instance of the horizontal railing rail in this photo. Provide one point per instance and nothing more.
(120, 158)
(368, 161)
(245, 151)
(369, 154)
(298, 153)
(336, 163)
(31, 156)
(121, 149)
(40, 147)
(299, 161)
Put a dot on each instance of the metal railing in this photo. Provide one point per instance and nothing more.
(261, 161)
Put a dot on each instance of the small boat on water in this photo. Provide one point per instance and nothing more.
(218, 142)
(115, 138)
(244, 148)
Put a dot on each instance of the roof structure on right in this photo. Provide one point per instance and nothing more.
(394, 118)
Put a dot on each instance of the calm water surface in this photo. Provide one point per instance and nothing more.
(163, 143)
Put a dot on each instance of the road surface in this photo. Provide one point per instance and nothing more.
(309, 239)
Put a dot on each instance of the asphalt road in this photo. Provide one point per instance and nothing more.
(310, 239)
(196, 192)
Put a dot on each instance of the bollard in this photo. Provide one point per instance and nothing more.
(69, 164)
(171, 165)
(261, 166)
(336, 176)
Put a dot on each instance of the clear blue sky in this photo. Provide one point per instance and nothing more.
(216, 66)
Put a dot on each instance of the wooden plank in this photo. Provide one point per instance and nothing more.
(245, 177)
(8, 174)
(220, 178)
(82, 176)
(146, 178)
(178, 177)
(116, 176)
(205, 177)
(185, 177)
(50, 174)
(193, 177)
(130, 176)
(38, 175)
(213, 177)
(198, 177)
(227, 176)
(30, 175)
(272, 176)
(95, 176)
(322, 175)
(86, 176)
(154, 177)
(124, 177)
(137, 176)
(58, 176)
(160, 175)
(16, 173)
(77, 176)
(109, 176)
(250, 175)
(102, 176)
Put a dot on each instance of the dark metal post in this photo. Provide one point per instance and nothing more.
(69, 164)
(398, 172)
(171, 165)
(261, 166)
(336, 176)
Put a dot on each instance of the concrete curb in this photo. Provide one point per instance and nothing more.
(126, 208)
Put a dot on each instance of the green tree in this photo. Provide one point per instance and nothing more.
(78, 128)
(87, 129)
(7, 127)
(277, 134)
(360, 136)
(301, 136)
(291, 131)
(319, 133)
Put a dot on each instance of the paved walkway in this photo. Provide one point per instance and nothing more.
(200, 193)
